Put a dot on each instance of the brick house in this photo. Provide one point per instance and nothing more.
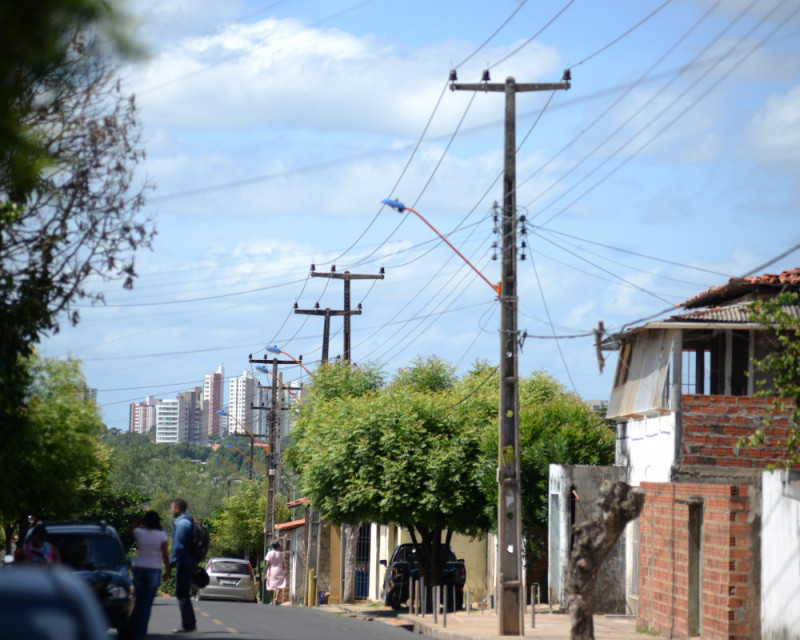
(683, 395)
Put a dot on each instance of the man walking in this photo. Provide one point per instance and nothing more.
(181, 559)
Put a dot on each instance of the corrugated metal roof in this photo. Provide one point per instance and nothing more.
(733, 313)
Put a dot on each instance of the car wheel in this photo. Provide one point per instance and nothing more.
(459, 599)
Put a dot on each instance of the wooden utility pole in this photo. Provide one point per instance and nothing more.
(326, 331)
(346, 312)
(510, 588)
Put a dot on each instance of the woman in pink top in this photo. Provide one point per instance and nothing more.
(151, 544)
(273, 573)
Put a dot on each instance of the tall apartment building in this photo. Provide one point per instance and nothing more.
(171, 424)
(240, 398)
(143, 415)
(214, 400)
(195, 416)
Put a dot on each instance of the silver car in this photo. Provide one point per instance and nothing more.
(229, 579)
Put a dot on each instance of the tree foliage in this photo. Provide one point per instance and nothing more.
(782, 364)
(397, 454)
(69, 202)
(60, 464)
(34, 50)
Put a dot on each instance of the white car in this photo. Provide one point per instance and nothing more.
(229, 579)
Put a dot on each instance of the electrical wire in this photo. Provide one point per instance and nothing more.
(661, 131)
(550, 321)
(628, 89)
(622, 36)
(533, 37)
(491, 37)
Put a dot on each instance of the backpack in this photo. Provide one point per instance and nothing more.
(200, 541)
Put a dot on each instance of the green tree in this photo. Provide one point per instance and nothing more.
(782, 366)
(120, 509)
(397, 454)
(60, 464)
(69, 147)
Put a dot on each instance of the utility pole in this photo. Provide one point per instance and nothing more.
(273, 464)
(511, 590)
(326, 331)
(346, 312)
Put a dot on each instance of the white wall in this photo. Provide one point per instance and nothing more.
(647, 446)
(780, 555)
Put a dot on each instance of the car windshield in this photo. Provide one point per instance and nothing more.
(230, 566)
(39, 620)
(87, 550)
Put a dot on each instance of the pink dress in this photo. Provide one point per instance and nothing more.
(276, 579)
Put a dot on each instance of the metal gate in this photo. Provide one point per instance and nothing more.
(362, 562)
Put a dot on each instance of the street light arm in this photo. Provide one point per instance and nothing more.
(231, 468)
(246, 430)
(265, 370)
(249, 458)
(276, 349)
(396, 204)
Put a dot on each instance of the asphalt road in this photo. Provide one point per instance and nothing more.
(218, 620)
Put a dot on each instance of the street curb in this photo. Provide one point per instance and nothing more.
(422, 629)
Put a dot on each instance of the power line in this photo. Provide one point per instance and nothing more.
(550, 321)
(491, 37)
(622, 36)
(533, 37)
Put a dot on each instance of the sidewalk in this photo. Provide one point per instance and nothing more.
(482, 625)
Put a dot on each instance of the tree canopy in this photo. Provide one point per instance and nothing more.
(60, 464)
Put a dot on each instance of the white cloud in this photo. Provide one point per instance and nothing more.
(773, 135)
(283, 73)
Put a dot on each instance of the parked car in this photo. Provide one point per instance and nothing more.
(229, 579)
(95, 553)
(403, 567)
(45, 603)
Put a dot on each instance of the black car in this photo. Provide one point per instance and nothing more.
(95, 553)
(403, 567)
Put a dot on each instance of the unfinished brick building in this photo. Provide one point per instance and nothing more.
(683, 395)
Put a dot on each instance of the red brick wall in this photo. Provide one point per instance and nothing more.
(712, 426)
(664, 560)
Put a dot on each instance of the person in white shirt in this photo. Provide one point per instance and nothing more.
(152, 549)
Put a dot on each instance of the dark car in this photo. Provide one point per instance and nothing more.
(44, 603)
(403, 567)
(95, 553)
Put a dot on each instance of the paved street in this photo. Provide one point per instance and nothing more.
(240, 620)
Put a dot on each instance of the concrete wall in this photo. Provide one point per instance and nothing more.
(586, 482)
(780, 556)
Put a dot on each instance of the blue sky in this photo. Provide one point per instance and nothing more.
(274, 129)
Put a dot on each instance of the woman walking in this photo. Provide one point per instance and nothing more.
(151, 543)
(273, 573)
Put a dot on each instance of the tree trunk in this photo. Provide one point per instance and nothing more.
(619, 504)
(350, 535)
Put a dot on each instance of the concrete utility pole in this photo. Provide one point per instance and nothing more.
(346, 312)
(511, 590)
(273, 466)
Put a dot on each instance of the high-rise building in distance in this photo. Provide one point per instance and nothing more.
(240, 398)
(214, 400)
(171, 424)
(143, 415)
